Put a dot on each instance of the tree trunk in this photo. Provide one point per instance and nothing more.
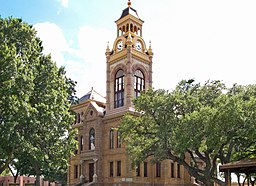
(238, 179)
(227, 177)
(15, 178)
(5, 165)
(38, 174)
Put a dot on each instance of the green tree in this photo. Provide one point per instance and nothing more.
(208, 123)
(35, 100)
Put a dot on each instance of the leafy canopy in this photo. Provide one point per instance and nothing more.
(35, 99)
(193, 124)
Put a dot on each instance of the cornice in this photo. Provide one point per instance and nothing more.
(141, 56)
(120, 21)
(118, 56)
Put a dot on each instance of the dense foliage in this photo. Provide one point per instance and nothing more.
(35, 98)
(207, 124)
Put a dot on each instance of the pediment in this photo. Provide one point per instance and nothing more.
(93, 111)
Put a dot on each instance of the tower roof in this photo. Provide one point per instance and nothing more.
(92, 95)
(129, 10)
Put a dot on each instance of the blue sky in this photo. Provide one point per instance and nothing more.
(201, 39)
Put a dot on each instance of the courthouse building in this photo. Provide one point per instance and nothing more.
(101, 158)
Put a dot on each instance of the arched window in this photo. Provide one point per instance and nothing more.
(92, 139)
(111, 139)
(139, 32)
(123, 29)
(139, 83)
(127, 27)
(81, 143)
(119, 89)
(131, 27)
(135, 30)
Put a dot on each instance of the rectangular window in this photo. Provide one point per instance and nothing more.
(81, 143)
(76, 151)
(111, 169)
(118, 141)
(178, 170)
(118, 168)
(172, 170)
(137, 169)
(75, 171)
(158, 169)
(111, 139)
(145, 169)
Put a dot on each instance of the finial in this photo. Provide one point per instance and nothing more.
(129, 3)
(108, 50)
(150, 50)
(108, 45)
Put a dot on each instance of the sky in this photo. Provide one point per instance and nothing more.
(199, 39)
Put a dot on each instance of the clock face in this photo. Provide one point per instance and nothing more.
(138, 46)
(120, 45)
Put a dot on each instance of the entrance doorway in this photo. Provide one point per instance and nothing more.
(91, 171)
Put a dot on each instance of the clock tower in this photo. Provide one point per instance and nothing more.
(128, 64)
(101, 157)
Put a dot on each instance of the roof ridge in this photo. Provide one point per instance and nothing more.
(97, 93)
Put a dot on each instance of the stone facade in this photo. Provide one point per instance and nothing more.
(101, 158)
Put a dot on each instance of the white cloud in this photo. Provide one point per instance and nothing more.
(54, 41)
(64, 3)
(92, 47)
(87, 63)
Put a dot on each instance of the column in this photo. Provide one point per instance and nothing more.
(95, 171)
(82, 180)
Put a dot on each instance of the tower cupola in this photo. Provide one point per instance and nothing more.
(129, 22)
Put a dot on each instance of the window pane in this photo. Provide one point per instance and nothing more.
(178, 170)
(119, 89)
(81, 143)
(158, 169)
(118, 168)
(137, 169)
(92, 139)
(111, 169)
(145, 169)
(111, 140)
(119, 73)
(118, 140)
(138, 83)
(172, 170)
(76, 171)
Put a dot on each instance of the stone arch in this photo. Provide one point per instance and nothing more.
(123, 29)
(142, 43)
(131, 27)
(127, 27)
(142, 69)
(116, 69)
(135, 29)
